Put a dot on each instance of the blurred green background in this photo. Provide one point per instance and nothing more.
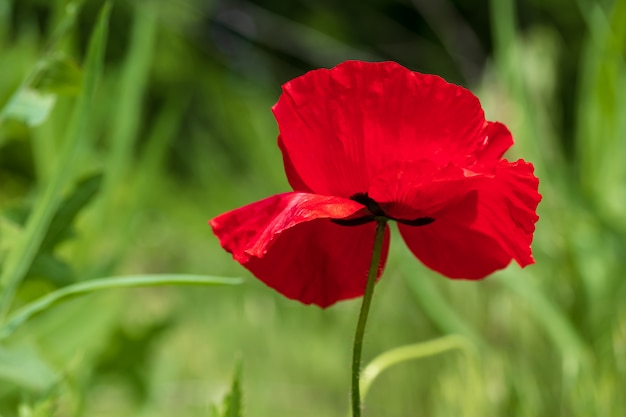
(115, 169)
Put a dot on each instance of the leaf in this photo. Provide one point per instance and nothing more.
(75, 333)
(61, 224)
(53, 269)
(29, 310)
(43, 408)
(30, 106)
(33, 103)
(22, 366)
(232, 402)
(9, 231)
(58, 75)
(61, 228)
(45, 65)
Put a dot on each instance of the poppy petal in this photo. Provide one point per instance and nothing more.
(339, 127)
(289, 242)
(497, 140)
(292, 175)
(410, 190)
(485, 230)
(319, 262)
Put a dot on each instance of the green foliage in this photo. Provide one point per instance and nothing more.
(30, 106)
(60, 225)
(233, 401)
(231, 406)
(46, 263)
(36, 362)
(25, 250)
(22, 366)
(33, 102)
(59, 75)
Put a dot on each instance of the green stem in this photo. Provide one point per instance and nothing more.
(411, 352)
(381, 224)
(23, 314)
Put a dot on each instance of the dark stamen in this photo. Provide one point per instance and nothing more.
(421, 221)
(354, 222)
(368, 202)
(376, 211)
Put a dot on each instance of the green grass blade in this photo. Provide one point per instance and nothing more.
(411, 352)
(600, 118)
(5, 19)
(25, 313)
(61, 224)
(19, 259)
(135, 76)
(557, 326)
(439, 310)
(112, 209)
(232, 402)
(159, 138)
(505, 48)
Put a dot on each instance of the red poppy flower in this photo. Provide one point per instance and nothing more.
(364, 140)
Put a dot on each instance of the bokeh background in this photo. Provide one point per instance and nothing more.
(180, 129)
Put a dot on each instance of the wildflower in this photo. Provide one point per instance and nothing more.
(366, 141)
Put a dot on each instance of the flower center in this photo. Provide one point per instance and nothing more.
(376, 212)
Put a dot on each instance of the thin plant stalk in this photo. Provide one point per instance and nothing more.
(381, 224)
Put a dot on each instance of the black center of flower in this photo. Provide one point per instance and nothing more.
(376, 211)
(369, 202)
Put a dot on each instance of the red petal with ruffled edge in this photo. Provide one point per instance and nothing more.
(491, 225)
(289, 243)
(410, 190)
(496, 141)
(340, 127)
